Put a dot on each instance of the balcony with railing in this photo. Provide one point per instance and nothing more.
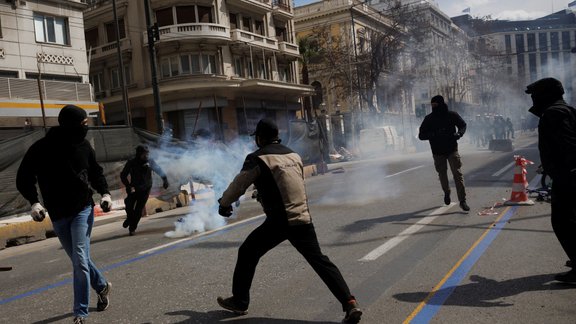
(242, 36)
(208, 33)
(288, 48)
(282, 8)
(261, 6)
(109, 49)
(27, 89)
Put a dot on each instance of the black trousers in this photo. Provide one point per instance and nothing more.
(564, 217)
(135, 203)
(303, 238)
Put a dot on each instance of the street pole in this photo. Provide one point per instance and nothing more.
(41, 94)
(127, 117)
(152, 31)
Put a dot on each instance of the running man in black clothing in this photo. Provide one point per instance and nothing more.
(443, 128)
(138, 187)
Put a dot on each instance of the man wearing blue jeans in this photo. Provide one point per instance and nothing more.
(64, 166)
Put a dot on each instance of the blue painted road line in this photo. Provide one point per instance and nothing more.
(433, 303)
(126, 262)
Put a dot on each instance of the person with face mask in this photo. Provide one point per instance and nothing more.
(443, 128)
(64, 166)
(277, 173)
(138, 187)
(557, 146)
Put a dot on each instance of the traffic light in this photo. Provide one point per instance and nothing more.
(154, 33)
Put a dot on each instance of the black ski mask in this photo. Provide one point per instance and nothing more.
(71, 120)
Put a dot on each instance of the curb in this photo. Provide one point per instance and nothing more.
(24, 232)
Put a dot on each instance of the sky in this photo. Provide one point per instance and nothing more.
(497, 9)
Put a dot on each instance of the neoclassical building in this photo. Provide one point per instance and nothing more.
(221, 65)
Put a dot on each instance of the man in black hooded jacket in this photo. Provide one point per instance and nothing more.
(557, 146)
(64, 165)
(443, 128)
(138, 187)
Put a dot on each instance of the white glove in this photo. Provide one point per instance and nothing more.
(106, 203)
(38, 212)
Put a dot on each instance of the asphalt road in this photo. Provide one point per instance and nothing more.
(405, 256)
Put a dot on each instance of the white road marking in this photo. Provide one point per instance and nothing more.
(407, 170)
(504, 169)
(201, 234)
(390, 244)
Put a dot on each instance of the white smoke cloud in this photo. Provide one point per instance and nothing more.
(213, 164)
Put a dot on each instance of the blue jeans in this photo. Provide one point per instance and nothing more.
(74, 235)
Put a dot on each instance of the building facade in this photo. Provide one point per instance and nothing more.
(530, 49)
(42, 51)
(221, 65)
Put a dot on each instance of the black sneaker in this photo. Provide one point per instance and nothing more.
(464, 205)
(79, 320)
(353, 312)
(232, 305)
(103, 300)
(126, 223)
(131, 233)
(447, 198)
(567, 277)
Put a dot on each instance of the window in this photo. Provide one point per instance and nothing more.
(188, 64)
(233, 21)
(53, 77)
(520, 43)
(521, 67)
(508, 42)
(164, 17)
(96, 82)
(185, 14)
(247, 24)
(259, 27)
(91, 37)
(111, 30)
(544, 63)
(8, 74)
(532, 66)
(281, 34)
(565, 40)
(49, 29)
(554, 42)
(531, 42)
(205, 14)
(239, 66)
(543, 42)
(115, 81)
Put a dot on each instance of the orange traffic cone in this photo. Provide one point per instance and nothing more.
(519, 195)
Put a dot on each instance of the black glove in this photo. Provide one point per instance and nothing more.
(129, 190)
(224, 211)
(457, 136)
(165, 183)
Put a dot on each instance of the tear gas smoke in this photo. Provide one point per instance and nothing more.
(210, 163)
